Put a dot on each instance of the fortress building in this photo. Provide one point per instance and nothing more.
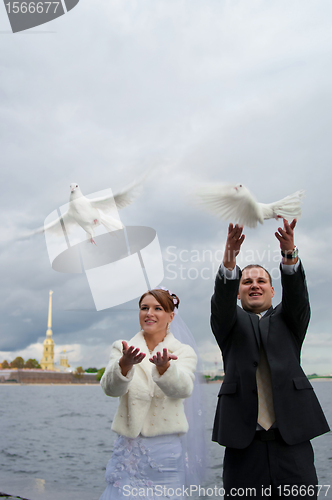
(47, 361)
(64, 366)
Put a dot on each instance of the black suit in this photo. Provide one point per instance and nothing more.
(239, 334)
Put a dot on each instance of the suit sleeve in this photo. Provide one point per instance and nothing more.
(113, 382)
(224, 305)
(295, 301)
(178, 380)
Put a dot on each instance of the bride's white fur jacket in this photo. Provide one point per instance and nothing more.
(151, 404)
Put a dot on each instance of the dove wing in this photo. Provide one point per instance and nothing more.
(222, 200)
(54, 226)
(122, 198)
(288, 208)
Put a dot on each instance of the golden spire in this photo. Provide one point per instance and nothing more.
(49, 322)
(47, 361)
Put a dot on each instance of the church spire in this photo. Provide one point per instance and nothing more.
(47, 361)
(49, 322)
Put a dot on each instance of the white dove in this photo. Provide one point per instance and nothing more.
(91, 213)
(235, 203)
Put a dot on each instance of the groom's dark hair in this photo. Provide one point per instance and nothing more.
(257, 265)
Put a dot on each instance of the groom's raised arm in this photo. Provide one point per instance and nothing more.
(223, 302)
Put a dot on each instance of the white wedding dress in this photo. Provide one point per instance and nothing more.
(148, 467)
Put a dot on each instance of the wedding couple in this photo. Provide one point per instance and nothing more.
(267, 411)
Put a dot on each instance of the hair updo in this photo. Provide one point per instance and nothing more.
(168, 301)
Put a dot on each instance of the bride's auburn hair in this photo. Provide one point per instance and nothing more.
(167, 301)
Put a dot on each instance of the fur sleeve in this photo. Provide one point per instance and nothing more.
(113, 382)
(178, 380)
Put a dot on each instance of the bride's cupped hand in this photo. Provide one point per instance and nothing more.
(162, 360)
(130, 356)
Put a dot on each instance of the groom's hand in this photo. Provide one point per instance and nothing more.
(285, 236)
(234, 241)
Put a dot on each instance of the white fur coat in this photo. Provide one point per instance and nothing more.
(151, 404)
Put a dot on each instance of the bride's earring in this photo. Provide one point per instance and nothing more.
(168, 329)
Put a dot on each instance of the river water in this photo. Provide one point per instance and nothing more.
(55, 441)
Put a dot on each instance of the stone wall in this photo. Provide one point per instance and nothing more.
(26, 376)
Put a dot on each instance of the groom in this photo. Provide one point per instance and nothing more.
(267, 410)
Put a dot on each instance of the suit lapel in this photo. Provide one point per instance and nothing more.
(268, 312)
(264, 326)
(255, 324)
(261, 326)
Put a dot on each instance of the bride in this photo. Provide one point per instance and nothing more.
(151, 374)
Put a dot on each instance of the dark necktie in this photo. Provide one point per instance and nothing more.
(266, 416)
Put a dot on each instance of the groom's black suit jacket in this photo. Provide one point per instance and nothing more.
(239, 333)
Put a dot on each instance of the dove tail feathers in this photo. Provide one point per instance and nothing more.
(289, 207)
(109, 223)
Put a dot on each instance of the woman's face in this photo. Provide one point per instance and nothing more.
(152, 317)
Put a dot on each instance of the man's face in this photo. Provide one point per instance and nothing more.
(255, 290)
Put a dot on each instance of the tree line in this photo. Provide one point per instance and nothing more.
(20, 363)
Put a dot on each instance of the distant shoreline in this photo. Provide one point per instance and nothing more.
(207, 382)
(326, 378)
(5, 384)
(329, 379)
(45, 377)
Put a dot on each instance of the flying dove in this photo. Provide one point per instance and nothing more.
(90, 213)
(235, 203)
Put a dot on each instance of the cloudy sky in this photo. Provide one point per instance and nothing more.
(195, 92)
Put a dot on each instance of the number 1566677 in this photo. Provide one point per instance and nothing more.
(31, 7)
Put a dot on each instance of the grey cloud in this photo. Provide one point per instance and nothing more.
(219, 91)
